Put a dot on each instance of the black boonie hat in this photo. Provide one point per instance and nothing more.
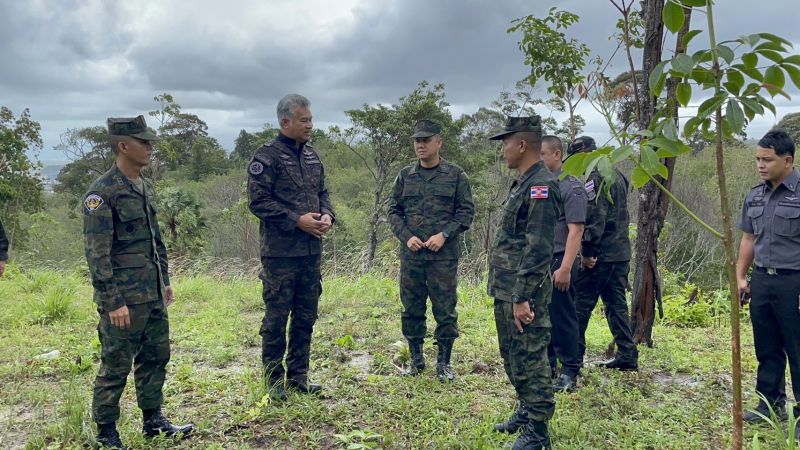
(581, 144)
(426, 128)
(131, 126)
(530, 124)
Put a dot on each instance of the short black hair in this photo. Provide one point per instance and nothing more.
(553, 141)
(778, 140)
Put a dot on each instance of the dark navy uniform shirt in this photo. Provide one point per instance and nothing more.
(573, 208)
(773, 216)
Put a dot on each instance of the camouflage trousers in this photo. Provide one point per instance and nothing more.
(145, 346)
(525, 361)
(292, 287)
(420, 279)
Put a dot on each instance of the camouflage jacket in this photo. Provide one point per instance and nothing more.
(126, 255)
(423, 208)
(606, 232)
(3, 244)
(285, 181)
(519, 268)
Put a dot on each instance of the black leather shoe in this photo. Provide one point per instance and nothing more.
(108, 437)
(444, 371)
(533, 437)
(514, 423)
(620, 364)
(565, 383)
(155, 423)
(751, 416)
(303, 386)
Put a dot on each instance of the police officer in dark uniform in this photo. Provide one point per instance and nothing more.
(569, 230)
(430, 206)
(288, 194)
(771, 224)
(605, 262)
(3, 249)
(520, 281)
(128, 265)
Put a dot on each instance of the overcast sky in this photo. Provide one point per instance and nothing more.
(74, 63)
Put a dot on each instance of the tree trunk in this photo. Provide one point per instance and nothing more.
(653, 203)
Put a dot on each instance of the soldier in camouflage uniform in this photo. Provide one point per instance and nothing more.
(128, 265)
(605, 261)
(430, 206)
(287, 192)
(520, 281)
(3, 249)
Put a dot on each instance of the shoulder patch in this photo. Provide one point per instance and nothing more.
(92, 202)
(540, 192)
(589, 186)
(255, 168)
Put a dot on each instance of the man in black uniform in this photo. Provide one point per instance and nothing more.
(3, 249)
(605, 261)
(569, 230)
(288, 194)
(771, 224)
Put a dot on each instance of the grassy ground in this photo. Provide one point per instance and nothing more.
(680, 398)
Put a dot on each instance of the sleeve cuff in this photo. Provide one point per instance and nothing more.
(114, 303)
(291, 220)
(330, 213)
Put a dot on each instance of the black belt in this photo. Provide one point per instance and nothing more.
(774, 271)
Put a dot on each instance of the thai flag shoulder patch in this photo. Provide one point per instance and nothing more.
(539, 192)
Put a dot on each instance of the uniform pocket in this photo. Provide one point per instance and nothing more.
(787, 219)
(132, 223)
(756, 216)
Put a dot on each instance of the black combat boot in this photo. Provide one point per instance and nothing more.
(301, 384)
(565, 383)
(514, 423)
(108, 437)
(750, 416)
(417, 364)
(533, 437)
(444, 372)
(154, 424)
(624, 365)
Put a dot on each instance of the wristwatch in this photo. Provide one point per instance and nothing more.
(444, 233)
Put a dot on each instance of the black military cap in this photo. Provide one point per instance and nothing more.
(426, 128)
(131, 126)
(581, 144)
(532, 124)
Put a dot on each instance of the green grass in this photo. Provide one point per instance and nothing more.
(680, 399)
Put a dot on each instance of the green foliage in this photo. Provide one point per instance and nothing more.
(791, 124)
(55, 304)
(90, 154)
(360, 440)
(20, 186)
(178, 131)
(181, 221)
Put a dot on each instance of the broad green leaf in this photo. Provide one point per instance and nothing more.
(766, 104)
(794, 59)
(604, 167)
(794, 74)
(773, 38)
(750, 60)
(752, 105)
(752, 73)
(771, 55)
(735, 80)
(694, 3)
(662, 170)
(639, 177)
(670, 130)
(710, 105)
(774, 79)
(648, 160)
(702, 75)
(645, 133)
(574, 165)
(701, 56)
(683, 93)
(734, 116)
(689, 36)
(657, 79)
(690, 126)
(621, 153)
(770, 46)
(682, 64)
(673, 17)
(592, 159)
(725, 53)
